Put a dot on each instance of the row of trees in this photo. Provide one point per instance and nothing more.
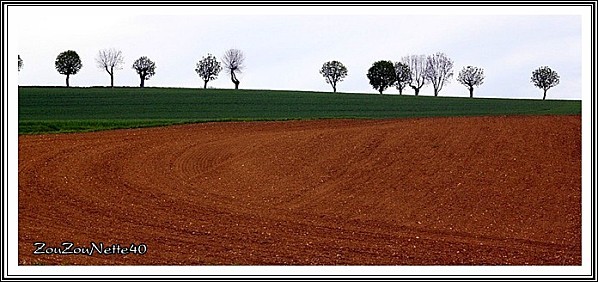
(416, 71)
(69, 63)
(209, 67)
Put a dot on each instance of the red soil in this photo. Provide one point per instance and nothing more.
(434, 191)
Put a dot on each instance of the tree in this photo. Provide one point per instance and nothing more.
(145, 69)
(208, 69)
(439, 70)
(545, 78)
(403, 74)
(233, 62)
(382, 75)
(20, 62)
(333, 72)
(417, 66)
(68, 63)
(471, 76)
(109, 60)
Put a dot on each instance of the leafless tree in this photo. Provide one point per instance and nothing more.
(471, 76)
(109, 60)
(439, 70)
(20, 62)
(417, 66)
(233, 63)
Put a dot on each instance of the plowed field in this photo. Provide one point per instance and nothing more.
(432, 191)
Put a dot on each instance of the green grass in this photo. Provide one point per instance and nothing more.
(57, 109)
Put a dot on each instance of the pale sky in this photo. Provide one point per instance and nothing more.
(286, 47)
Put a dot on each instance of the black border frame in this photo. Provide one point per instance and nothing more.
(4, 269)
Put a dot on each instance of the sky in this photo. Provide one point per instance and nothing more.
(285, 47)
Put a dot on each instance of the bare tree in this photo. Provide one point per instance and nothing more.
(333, 72)
(233, 63)
(145, 68)
(439, 70)
(403, 74)
(471, 76)
(545, 78)
(417, 66)
(208, 69)
(109, 60)
(20, 62)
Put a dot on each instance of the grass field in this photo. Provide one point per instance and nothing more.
(58, 110)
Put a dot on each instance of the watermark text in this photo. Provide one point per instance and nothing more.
(69, 248)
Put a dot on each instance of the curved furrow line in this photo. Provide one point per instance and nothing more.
(418, 191)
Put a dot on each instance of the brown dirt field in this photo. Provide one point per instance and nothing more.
(433, 191)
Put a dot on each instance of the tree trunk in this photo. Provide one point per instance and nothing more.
(111, 76)
(400, 91)
(416, 91)
(544, 98)
(142, 83)
(380, 91)
(233, 77)
(67, 81)
(470, 92)
(334, 88)
(435, 92)
(205, 84)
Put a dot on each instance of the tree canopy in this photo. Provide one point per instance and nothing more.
(382, 75)
(545, 78)
(68, 63)
(145, 68)
(471, 76)
(333, 72)
(403, 74)
(208, 69)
